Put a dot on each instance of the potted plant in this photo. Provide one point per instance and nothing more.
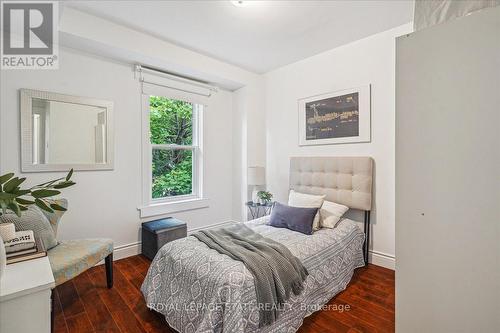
(264, 197)
(15, 199)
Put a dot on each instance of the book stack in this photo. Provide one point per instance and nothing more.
(24, 246)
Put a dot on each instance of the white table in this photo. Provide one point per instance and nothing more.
(25, 291)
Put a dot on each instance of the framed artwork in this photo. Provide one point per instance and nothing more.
(338, 117)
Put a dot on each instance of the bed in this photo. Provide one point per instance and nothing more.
(198, 289)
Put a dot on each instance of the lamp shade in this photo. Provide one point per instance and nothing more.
(256, 176)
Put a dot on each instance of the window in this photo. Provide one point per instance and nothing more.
(174, 147)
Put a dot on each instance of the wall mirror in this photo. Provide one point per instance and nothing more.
(60, 132)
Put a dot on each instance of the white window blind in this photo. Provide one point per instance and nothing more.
(163, 84)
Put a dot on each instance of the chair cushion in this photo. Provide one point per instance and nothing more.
(55, 217)
(72, 257)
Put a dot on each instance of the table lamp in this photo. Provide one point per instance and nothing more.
(256, 177)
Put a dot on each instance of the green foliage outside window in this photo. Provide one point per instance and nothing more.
(171, 122)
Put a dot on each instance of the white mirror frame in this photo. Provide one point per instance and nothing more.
(27, 165)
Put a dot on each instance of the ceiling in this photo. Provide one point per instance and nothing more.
(259, 36)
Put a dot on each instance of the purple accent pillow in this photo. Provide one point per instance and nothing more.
(293, 218)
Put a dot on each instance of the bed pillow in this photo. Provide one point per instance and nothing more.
(296, 199)
(293, 218)
(331, 213)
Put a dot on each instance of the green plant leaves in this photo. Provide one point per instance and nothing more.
(3, 205)
(70, 173)
(64, 184)
(13, 206)
(172, 173)
(265, 195)
(24, 201)
(19, 193)
(10, 193)
(12, 184)
(42, 205)
(7, 196)
(6, 177)
(57, 207)
(44, 193)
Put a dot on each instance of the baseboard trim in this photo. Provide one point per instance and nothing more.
(132, 249)
(126, 250)
(382, 259)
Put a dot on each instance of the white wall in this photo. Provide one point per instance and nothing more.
(448, 177)
(95, 35)
(104, 203)
(249, 141)
(370, 60)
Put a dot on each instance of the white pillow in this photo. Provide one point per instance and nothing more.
(296, 199)
(331, 213)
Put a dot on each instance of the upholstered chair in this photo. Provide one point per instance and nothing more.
(67, 258)
(72, 257)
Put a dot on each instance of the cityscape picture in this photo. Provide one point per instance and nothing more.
(336, 117)
(333, 117)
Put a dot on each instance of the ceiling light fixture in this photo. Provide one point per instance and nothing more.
(239, 3)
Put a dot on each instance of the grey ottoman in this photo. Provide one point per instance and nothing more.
(157, 233)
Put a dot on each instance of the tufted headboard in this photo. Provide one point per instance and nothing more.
(345, 180)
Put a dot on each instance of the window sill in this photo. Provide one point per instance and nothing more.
(172, 207)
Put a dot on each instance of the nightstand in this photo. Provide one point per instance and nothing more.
(258, 210)
(25, 294)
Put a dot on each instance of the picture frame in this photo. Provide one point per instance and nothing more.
(338, 117)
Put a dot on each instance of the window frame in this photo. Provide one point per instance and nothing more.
(147, 157)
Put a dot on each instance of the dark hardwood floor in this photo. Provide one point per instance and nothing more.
(84, 304)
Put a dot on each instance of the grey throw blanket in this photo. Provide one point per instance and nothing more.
(276, 271)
